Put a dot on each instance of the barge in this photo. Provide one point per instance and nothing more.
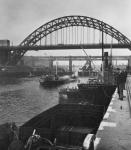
(64, 126)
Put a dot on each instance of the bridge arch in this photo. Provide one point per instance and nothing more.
(64, 22)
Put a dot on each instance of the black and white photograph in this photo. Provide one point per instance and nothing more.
(65, 75)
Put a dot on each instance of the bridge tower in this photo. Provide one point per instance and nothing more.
(51, 63)
(4, 54)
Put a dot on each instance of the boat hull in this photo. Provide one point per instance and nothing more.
(69, 124)
(87, 74)
(96, 94)
(52, 83)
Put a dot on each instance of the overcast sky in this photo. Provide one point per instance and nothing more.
(18, 18)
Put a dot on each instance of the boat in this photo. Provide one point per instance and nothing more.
(87, 70)
(97, 91)
(64, 126)
(97, 94)
(55, 80)
(51, 80)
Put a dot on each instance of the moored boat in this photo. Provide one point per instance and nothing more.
(64, 126)
(97, 94)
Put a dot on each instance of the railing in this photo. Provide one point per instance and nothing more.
(128, 89)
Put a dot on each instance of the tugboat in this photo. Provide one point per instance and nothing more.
(51, 80)
(55, 80)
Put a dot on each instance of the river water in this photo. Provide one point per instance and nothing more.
(23, 98)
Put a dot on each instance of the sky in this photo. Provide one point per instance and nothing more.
(19, 18)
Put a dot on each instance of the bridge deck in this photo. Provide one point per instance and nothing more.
(115, 130)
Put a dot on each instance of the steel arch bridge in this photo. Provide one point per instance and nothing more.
(64, 22)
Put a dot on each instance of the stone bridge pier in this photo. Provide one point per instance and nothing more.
(51, 60)
(51, 64)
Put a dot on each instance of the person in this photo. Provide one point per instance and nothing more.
(16, 143)
(120, 84)
(116, 74)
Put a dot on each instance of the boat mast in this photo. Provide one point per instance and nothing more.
(102, 51)
(111, 53)
(88, 61)
(56, 67)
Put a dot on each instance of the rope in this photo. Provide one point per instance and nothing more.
(47, 140)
